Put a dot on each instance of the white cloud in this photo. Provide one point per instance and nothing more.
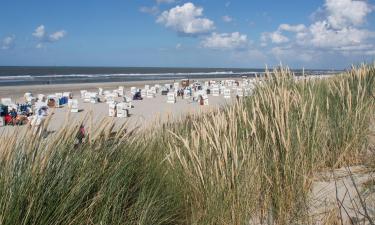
(178, 46)
(288, 53)
(227, 19)
(186, 19)
(342, 13)
(292, 28)
(43, 37)
(8, 42)
(321, 35)
(39, 32)
(275, 37)
(57, 35)
(339, 30)
(226, 41)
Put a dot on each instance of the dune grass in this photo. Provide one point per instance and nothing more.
(251, 162)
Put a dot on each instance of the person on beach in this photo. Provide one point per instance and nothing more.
(13, 115)
(80, 135)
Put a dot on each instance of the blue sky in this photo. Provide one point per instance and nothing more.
(197, 33)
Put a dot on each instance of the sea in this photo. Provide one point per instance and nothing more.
(26, 75)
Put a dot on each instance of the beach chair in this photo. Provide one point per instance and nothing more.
(205, 99)
(59, 94)
(147, 87)
(73, 105)
(171, 98)
(121, 91)
(69, 95)
(128, 101)
(110, 98)
(187, 93)
(216, 91)
(83, 94)
(248, 91)
(133, 90)
(41, 98)
(6, 101)
(53, 101)
(150, 93)
(144, 93)
(227, 93)
(240, 92)
(87, 97)
(100, 91)
(112, 110)
(122, 110)
(176, 85)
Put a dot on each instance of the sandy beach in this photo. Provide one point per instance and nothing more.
(143, 113)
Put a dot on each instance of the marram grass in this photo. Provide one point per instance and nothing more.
(251, 162)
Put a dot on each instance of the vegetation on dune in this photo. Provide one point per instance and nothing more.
(250, 162)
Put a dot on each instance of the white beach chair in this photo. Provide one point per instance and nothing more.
(94, 98)
(227, 93)
(122, 110)
(176, 85)
(121, 91)
(73, 105)
(83, 93)
(205, 99)
(6, 101)
(100, 91)
(133, 90)
(240, 92)
(215, 92)
(150, 93)
(110, 98)
(112, 110)
(187, 94)
(171, 98)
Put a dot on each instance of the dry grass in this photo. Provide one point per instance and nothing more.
(251, 162)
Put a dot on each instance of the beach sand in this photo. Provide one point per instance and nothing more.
(142, 114)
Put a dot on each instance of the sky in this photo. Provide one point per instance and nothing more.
(314, 34)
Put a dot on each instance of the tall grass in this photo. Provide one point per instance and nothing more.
(251, 162)
(254, 160)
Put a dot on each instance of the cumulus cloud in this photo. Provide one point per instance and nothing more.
(339, 29)
(40, 32)
(43, 37)
(227, 19)
(8, 42)
(343, 13)
(292, 28)
(275, 37)
(186, 19)
(226, 41)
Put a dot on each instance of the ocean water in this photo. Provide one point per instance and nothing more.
(11, 76)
